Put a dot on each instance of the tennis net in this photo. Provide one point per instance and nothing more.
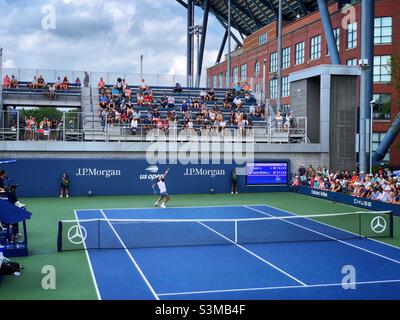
(154, 233)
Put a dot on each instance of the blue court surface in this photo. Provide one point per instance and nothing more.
(180, 262)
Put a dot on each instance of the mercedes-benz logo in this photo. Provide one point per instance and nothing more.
(77, 234)
(378, 224)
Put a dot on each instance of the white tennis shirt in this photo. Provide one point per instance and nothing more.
(161, 185)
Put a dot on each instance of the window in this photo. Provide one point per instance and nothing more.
(273, 89)
(243, 72)
(257, 68)
(382, 71)
(221, 79)
(336, 34)
(273, 62)
(214, 84)
(352, 62)
(299, 56)
(377, 137)
(352, 35)
(382, 107)
(383, 30)
(286, 58)
(235, 75)
(315, 48)
(285, 108)
(262, 39)
(285, 87)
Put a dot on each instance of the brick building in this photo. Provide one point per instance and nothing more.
(304, 46)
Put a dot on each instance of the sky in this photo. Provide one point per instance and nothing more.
(100, 35)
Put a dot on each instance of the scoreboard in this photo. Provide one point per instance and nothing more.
(267, 173)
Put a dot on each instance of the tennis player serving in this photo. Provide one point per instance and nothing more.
(164, 197)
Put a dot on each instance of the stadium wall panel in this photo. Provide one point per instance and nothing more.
(41, 177)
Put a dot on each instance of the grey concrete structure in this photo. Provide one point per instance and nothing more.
(330, 108)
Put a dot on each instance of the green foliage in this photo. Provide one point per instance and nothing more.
(40, 113)
(395, 70)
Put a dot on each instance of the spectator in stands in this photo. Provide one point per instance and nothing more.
(203, 95)
(40, 83)
(178, 88)
(51, 94)
(143, 86)
(171, 102)
(86, 79)
(237, 102)
(210, 95)
(65, 83)
(118, 85)
(128, 92)
(101, 84)
(58, 83)
(78, 82)
(14, 82)
(237, 89)
(246, 88)
(7, 82)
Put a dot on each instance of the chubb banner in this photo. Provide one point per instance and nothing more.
(41, 177)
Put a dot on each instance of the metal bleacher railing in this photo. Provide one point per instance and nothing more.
(78, 126)
(90, 125)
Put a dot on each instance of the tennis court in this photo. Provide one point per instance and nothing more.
(235, 252)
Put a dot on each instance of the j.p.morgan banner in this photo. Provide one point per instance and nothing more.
(41, 177)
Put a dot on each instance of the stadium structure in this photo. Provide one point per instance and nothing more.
(258, 209)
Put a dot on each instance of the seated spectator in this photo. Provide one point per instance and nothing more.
(143, 87)
(246, 88)
(58, 83)
(210, 95)
(184, 107)
(178, 88)
(78, 82)
(237, 89)
(128, 92)
(171, 102)
(40, 82)
(65, 83)
(237, 103)
(118, 85)
(7, 82)
(13, 82)
(164, 101)
(203, 95)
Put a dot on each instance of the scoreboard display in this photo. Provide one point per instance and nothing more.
(267, 173)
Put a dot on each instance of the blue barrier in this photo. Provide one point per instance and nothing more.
(348, 199)
(41, 177)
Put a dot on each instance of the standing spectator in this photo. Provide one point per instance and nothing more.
(64, 184)
(86, 79)
(302, 173)
(101, 84)
(14, 82)
(234, 182)
(6, 82)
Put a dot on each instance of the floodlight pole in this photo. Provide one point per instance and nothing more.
(228, 64)
(279, 54)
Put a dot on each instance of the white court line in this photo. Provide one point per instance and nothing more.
(327, 236)
(278, 288)
(131, 257)
(89, 262)
(187, 207)
(254, 255)
(372, 212)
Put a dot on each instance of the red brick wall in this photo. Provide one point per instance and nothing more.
(306, 28)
